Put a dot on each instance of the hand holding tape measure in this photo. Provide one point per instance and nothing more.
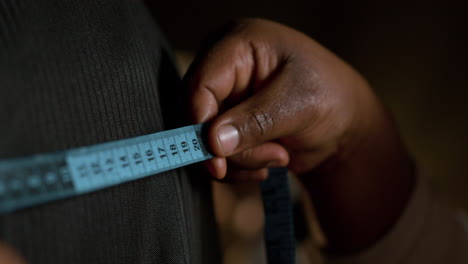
(273, 98)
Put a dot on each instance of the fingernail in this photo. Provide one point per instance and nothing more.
(228, 138)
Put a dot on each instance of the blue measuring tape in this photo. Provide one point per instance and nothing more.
(34, 180)
(42, 178)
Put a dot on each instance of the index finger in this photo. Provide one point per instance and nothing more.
(224, 71)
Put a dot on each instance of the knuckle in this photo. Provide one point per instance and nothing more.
(259, 123)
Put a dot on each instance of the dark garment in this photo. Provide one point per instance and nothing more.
(74, 73)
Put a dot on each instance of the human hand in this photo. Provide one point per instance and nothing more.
(288, 101)
(276, 98)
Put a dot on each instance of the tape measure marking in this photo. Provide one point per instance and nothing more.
(42, 178)
(46, 177)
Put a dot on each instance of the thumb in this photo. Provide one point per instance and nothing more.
(267, 115)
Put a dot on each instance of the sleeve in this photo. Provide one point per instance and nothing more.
(428, 231)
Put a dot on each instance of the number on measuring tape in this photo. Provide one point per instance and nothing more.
(42, 178)
(46, 177)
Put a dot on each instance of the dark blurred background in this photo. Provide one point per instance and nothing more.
(414, 53)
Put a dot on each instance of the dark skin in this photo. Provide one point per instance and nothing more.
(278, 98)
(284, 100)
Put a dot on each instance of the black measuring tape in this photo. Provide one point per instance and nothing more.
(42, 178)
(279, 226)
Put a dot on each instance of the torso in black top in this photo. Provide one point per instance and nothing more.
(75, 73)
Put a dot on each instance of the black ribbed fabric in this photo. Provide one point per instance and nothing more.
(75, 73)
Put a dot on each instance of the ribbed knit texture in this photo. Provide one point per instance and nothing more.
(75, 73)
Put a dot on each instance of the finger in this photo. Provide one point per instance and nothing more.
(217, 167)
(9, 256)
(225, 70)
(277, 110)
(266, 155)
(245, 55)
(240, 176)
